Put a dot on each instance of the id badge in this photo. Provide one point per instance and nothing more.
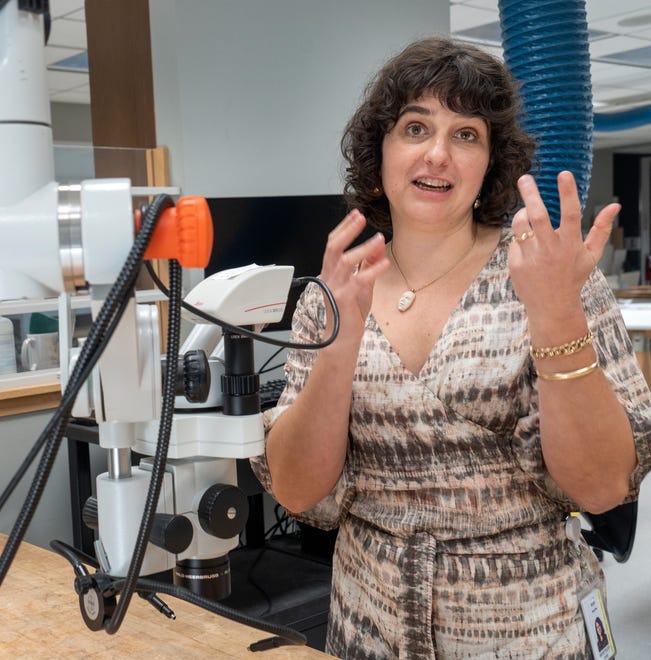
(598, 626)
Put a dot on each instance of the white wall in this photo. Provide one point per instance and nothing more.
(52, 518)
(252, 97)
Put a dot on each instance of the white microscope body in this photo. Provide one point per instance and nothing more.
(205, 440)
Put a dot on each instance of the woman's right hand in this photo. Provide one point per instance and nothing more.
(350, 273)
(306, 447)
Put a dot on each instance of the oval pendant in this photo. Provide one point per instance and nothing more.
(406, 300)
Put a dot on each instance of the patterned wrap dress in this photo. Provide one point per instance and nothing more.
(451, 538)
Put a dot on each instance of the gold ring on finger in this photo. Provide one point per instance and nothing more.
(524, 236)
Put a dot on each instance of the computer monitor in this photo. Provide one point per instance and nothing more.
(286, 231)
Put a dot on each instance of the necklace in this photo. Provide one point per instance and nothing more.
(407, 297)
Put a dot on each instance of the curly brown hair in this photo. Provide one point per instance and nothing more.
(463, 78)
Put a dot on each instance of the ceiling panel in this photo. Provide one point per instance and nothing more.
(617, 44)
(598, 10)
(624, 22)
(63, 80)
(479, 4)
(618, 30)
(74, 95)
(60, 8)
(619, 96)
(464, 17)
(55, 53)
(604, 73)
(67, 32)
(615, 28)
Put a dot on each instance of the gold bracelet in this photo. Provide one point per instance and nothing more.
(568, 375)
(573, 346)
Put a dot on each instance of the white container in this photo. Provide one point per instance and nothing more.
(7, 347)
(40, 351)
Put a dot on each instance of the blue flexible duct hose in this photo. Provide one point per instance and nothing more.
(546, 47)
(622, 121)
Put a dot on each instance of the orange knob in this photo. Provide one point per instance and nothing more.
(184, 232)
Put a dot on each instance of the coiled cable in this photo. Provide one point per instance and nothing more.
(160, 456)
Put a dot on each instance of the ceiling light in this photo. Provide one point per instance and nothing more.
(74, 63)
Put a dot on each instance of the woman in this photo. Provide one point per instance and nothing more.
(481, 387)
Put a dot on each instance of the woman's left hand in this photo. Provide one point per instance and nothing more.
(548, 266)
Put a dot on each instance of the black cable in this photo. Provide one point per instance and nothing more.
(89, 365)
(299, 281)
(50, 438)
(147, 586)
(262, 369)
(56, 427)
(160, 458)
(280, 365)
(288, 634)
(282, 523)
(84, 366)
(74, 556)
(284, 519)
(97, 339)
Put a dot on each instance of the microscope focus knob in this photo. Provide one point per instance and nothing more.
(89, 513)
(196, 376)
(171, 532)
(223, 511)
(192, 375)
(183, 232)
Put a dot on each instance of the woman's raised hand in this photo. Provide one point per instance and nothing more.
(350, 273)
(549, 266)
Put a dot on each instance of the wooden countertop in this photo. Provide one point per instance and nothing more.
(40, 618)
(641, 291)
(29, 398)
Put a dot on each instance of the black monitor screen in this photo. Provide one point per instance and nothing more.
(286, 231)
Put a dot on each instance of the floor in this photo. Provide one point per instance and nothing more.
(629, 588)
